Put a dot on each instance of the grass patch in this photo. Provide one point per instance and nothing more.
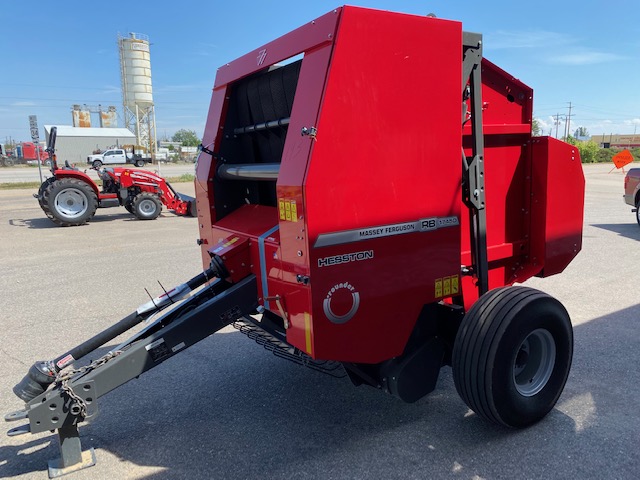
(19, 185)
(184, 178)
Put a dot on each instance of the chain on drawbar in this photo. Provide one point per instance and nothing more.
(64, 377)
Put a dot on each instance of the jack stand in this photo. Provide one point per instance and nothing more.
(72, 458)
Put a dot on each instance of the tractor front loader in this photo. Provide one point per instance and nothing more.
(70, 197)
(369, 192)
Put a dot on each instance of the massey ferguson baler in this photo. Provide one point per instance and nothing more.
(368, 192)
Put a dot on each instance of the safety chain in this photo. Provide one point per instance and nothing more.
(64, 377)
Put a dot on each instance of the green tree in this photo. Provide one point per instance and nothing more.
(581, 132)
(535, 128)
(588, 151)
(187, 138)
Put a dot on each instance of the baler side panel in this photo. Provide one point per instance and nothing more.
(558, 205)
(387, 152)
(506, 118)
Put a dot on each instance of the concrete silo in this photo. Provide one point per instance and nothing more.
(137, 94)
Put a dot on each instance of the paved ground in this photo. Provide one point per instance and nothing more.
(228, 409)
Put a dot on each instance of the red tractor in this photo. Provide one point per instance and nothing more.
(70, 197)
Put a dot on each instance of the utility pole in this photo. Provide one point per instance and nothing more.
(568, 124)
(557, 122)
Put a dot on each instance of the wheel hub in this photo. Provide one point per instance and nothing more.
(534, 362)
(71, 202)
(147, 206)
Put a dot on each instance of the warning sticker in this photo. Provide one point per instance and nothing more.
(447, 286)
(288, 210)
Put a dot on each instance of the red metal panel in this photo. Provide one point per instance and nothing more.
(293, 229)
(506, 115)
(205, 170)
(303, 39)
(383, 156)
(558, 205)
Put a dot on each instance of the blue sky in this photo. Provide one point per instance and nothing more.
(58, 54)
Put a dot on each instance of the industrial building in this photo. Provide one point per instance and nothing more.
(617, 141)
(74, 144)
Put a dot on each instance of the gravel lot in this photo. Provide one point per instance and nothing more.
(228, 409)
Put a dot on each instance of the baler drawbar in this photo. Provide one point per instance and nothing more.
(368, 193)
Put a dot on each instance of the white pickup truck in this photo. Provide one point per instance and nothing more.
(115, 156)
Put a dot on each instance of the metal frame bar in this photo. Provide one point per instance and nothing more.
(196, 318)
(473, 170)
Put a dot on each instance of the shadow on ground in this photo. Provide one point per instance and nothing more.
(228, 409)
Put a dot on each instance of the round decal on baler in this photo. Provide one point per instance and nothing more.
(342, 303)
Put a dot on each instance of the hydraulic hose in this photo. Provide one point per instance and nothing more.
(43, 373)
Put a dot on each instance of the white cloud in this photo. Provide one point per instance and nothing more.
(584, 58)
(504, 39)
(635, 121)
(23, 104)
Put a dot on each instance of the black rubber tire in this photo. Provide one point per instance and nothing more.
(128, 207)
(43, 187)
(638, 210)
(97, 164)
(139, 163)
(493, 335)
(80, 196)
(8, 162)
(146, 206)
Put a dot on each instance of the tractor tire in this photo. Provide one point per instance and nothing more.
(42, 188)
(8, 162)
(97, 164)
(512, 355)
(139, 163)
(69, 202)
(128, 207)
(146, 206)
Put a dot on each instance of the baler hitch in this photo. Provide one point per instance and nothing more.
(59, 398)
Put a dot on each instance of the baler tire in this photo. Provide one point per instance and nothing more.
(638, 211)
(146, 206)
(83, 202)
(97, 164)
(512, 355)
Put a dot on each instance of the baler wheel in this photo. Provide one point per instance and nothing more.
(146, 206)
(68, 201)
(512, 355)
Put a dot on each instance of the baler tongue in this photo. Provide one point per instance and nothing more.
(61, 398)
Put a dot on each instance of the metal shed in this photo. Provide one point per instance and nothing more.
(74, 144)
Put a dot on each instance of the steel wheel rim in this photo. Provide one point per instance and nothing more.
(71, 202)
(147, 207)
(534, 362)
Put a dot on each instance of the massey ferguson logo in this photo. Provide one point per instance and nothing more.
(262, 54)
